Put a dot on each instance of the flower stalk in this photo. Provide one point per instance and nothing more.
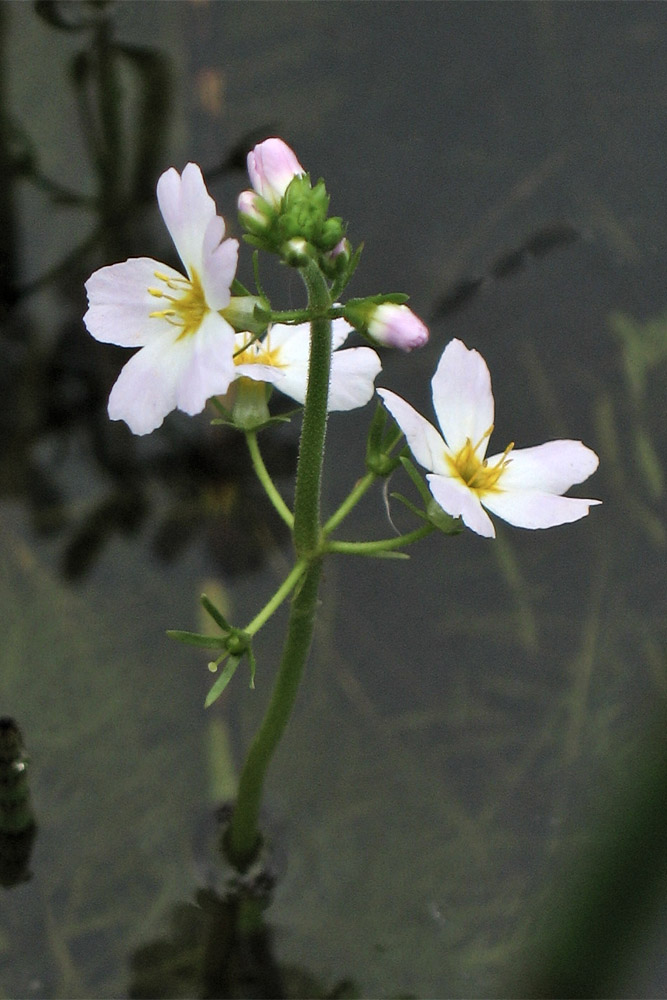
(241, 840)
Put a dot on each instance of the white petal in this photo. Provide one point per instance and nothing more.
(456, 499)
(219, 261)
(425, 443)
(531, 509)
(145, 391)
(211, 366)
(293, 341)
(550, 468)
(353, 372)
(187, 209)
(292, 380)
(340, 331)
(120, 305)
(259, 373)
(462, 396)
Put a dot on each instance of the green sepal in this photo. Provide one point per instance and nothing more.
(279, 418)
(343, 279)
(226, 418)
(433, 512)
(222, 681)
(379, 446)
(416, 479)
(198, 639)
(252, 663)
(441, 520)
(386, 554)
(409, 504)
(237, 288)
(215, 613)
(359, 312)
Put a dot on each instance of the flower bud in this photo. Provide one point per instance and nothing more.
(248, 401)
(247, 314)
(271, 166)
(337, 260)
(250, 209)
(387, 323)
(297, 252)
(396, 326)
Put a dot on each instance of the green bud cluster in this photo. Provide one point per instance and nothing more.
(299, 229)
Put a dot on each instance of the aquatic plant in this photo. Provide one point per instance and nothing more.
(205, 337)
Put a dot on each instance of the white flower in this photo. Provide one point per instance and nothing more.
(186, 345)
(523, 487)
(281, 358)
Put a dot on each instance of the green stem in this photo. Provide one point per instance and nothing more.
(354, 497)
(381, 544)
(311, 448)
(281, 593)
(266, 481)
(242, 838)
(302, 315)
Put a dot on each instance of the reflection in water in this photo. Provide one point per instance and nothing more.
(17, 821)
(221, 947)
(53, 404)
(542, 242)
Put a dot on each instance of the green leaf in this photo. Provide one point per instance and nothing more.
(222, 681)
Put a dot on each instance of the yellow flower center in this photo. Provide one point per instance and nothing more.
(257, 352)
(475, 472)
(187, 306)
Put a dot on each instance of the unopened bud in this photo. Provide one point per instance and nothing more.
(297, 252)
(250, 209)
(396, 326)
(389, 324)
(271, 167)
(247, 314)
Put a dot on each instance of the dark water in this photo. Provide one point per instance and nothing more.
(475, 726)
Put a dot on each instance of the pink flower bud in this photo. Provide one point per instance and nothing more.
(342, 247)
(271, 166)
(397, 326)
(247, 205)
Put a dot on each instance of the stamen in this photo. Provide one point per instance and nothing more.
(178, 282)
(485, 436)
(478, 475)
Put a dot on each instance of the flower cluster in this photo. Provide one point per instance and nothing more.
(195, 338)
(198, 341)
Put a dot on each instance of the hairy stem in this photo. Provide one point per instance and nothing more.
(242, 838)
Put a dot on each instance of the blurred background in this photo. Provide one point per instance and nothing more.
(470, 799)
